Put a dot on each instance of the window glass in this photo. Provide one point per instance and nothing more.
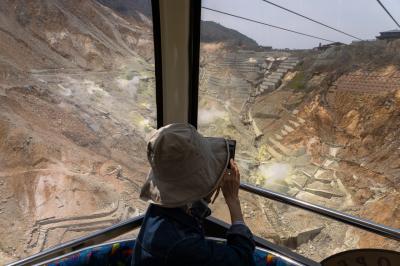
(77, 98)
(305, 233)
(314, 108)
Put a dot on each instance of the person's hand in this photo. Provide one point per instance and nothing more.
(230, 189)
(231, 183)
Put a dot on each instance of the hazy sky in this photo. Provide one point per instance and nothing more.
(361, 18)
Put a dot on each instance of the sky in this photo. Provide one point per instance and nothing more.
(361, 18)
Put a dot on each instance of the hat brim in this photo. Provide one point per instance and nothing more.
(166, 194)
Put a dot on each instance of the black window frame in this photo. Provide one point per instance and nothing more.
(194, 59)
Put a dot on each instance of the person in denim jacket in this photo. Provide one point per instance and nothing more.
(187, 171)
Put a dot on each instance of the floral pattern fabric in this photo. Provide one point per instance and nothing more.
(120, 254)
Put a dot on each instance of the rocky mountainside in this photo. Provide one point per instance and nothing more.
(76, 101)
(320, 126)
(130, 8)
(67, 34)
(212, 32)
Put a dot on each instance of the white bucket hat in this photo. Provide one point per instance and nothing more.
(185, 166)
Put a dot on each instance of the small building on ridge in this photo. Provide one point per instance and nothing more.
(389, 35)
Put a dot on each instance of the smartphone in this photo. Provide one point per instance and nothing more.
(232, 148)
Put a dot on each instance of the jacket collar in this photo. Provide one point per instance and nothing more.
(192, 215)
(199, 210)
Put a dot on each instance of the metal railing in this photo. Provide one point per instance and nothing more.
(364, 224)
(82, 242)
(130, 224)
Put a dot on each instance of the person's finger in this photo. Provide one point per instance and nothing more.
(233, 164)
(234, 170)
(235, 167)
(237, 173)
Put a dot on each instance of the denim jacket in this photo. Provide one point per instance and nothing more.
(170, 236)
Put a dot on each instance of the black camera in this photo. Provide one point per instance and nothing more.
(232, 148)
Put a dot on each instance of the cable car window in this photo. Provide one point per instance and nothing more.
(311, 93)
(77, 97)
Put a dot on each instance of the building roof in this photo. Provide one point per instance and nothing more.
(390, 31)
(390, 34)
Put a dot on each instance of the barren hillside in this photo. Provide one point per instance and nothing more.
(76, 101)
(321, 126)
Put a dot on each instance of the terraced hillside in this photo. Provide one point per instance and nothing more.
(313, 130)
(76, 102)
